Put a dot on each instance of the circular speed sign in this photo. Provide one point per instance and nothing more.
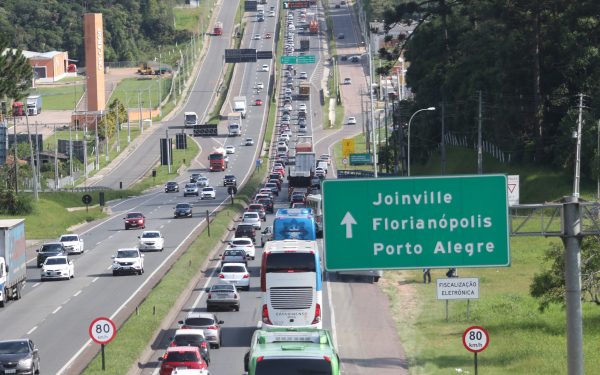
(475, 339)
(102, 330)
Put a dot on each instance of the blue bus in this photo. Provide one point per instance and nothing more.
(294, 224)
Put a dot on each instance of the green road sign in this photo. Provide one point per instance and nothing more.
(416, 222)
(309, 59)
(360, 159)
(288, 60)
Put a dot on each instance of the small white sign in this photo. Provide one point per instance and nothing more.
(102, 330)
(512, 182)
(476, 339)
(344, 161)
(458, 288)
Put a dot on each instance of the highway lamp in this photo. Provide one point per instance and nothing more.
(409, 121)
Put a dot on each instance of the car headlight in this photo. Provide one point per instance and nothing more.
(25, 362)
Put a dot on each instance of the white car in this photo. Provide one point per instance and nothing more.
(264, 68)
(256, 37)
(72, 243)
(252, 218)
(129, 260)
(248, 142)
(351, 121)
(302, 108)
(320, 172)
(151, 240)
(326, 157)
(202, 181)
(260, 85)
(208, 192)
(271, 14)
(230, 149)
(243, 243)
(58, 267)
(347, 81)
(236, 274)
(303, 75)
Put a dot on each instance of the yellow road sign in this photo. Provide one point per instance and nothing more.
(347, 146)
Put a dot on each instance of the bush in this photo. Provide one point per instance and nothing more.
(15, 204)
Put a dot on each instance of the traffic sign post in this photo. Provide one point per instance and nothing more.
(347, 146)
(475, 339)
(86, 199)
(419, 222)
(288, 60)
(102, 330)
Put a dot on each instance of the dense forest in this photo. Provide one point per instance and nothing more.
(132, 28)
(530, 59)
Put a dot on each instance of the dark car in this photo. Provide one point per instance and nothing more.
(274, 188)
(297, 198)
(195, 176)
(172, 186)
(277, 176)
(258, 207)
(246, 230)
(183, 210)
(229, 180)
(190, 337)
(135, 220)
(267, 203)
(19, 357)
(49, 250)
(275, 181)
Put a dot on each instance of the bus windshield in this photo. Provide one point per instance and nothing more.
(293, 366)
(291, 262)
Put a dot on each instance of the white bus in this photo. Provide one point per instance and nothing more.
(291, 281)
(315, 202)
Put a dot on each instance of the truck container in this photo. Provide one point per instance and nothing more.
(218, 29)
(313, 27)
(234, 124)
(304, 143)
(34, 105)
(304, 44)
(218, 160)
(301, 173)
(13, 259)
(190, 119)
(304, 91)
(239, 105)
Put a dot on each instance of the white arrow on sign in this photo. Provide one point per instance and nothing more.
(348, 221)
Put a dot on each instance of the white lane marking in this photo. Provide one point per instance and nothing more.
(162, 226)
(111, 236)
(96, 278)
(108, 268)
(56, 310)
(34, 285)
(76, 294)
(31, 330)
(98, 243)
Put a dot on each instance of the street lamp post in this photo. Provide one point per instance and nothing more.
(409, 121)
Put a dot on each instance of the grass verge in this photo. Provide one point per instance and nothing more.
(339, 108)
(60, 98)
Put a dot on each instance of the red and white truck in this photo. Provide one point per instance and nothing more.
(218, 160)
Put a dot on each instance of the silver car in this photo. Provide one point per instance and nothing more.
(223, 295)
(252, 218)
(207, 322)
(190, 189)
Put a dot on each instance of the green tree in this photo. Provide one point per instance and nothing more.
(15, 72)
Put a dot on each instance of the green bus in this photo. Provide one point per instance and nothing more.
(293, 351)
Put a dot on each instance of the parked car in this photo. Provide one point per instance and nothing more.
(245, 244)
(151, 240)
(207, 322)
(21, 356)
(192, 337)
(129, 260)
(208, 192)
(258, 208)
(223, 295)
(246, 230)
(191, 189)
(49, 249)
(229, 180)
(181, 357)
(135, 220)
(72, 243)
(171, 186)
(233, 255)
(182, 210)
(57, 267)
(236, 274)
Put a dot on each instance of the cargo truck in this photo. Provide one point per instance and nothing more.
(218, 29)
(304, 91)
(313, 27)
(234, 124)
(304, 44)
(239, 105)
(218, 160)
(13, 259)
(34, 105)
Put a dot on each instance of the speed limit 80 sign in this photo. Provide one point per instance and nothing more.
(475, 339)
(102, 330)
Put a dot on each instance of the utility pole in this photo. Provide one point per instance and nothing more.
(31, 163)
(16, 157)
(71, 154)
(168, 150)
(598, 161)
(56, 182)
(479, 151)
(443, 147)
(97, 143)
(140, 106)
(160, 81)
(128, 123)
(578, 151)
(118, 126)
(37, 156)
(150, 103)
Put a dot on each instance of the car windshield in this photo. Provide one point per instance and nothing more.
(52, 248)
(133, 215)
(222, 288)
(234, 253)
(183, 205)
(171, 183)
(251, 215)
(54, 261)
(68, 238)
(191, 186)
(229, 176)
(233, 269)
(181, 357)
(127, 254)
(208, 189)
(151, 235)
(185, 340)
(10, 347)
(255, 207)
(242, 242)
(199, 322)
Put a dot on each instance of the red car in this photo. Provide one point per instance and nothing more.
(258, 102)
(135, 220)
(181, 357)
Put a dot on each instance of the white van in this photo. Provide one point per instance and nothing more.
(322, 164)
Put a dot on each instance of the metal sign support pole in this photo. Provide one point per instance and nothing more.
(446, 310)
(468, 305)
(475, 362)
(103, 367)
(208, 222)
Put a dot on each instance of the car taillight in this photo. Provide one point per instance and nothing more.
(185, 327)
(246, 275)
(212, 327)
(260, 358)
(221, 276)
(204, 344)
(235, 296)
(327, 358)
(209, 296)
(317, 318)
(172, 343)
(265, 315)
